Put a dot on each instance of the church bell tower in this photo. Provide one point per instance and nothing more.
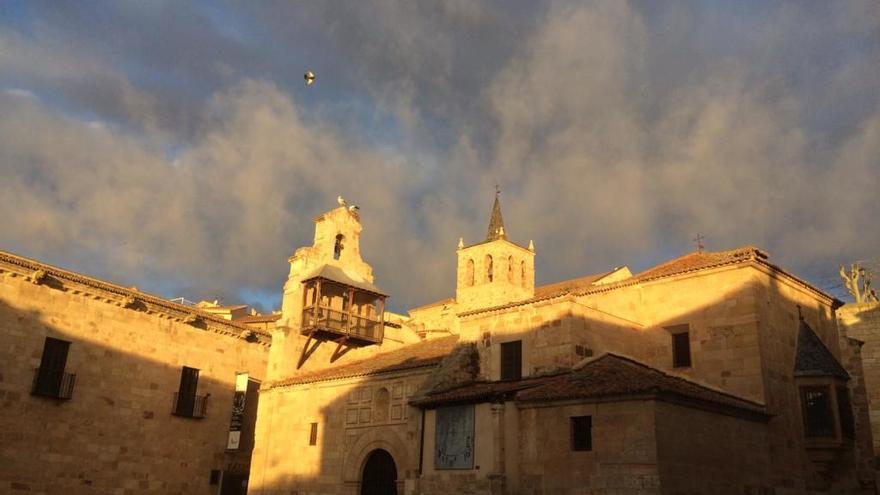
(495, 271)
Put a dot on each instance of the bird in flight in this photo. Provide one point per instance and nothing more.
(309, 76)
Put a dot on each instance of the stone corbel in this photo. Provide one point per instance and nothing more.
(191, 319)
(38, 277)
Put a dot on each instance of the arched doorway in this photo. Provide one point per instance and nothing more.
(380, 474)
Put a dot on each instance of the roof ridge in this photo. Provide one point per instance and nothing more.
(96, 283)
(691, 381)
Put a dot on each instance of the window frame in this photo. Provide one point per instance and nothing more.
(313, 434)
(506, 353)
(680, 335)
(581, 433)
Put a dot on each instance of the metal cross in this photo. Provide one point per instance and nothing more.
(698, 240)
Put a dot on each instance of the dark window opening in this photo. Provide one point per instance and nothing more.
(488, 268)
(469, 276)
(50, 380)
(818, 418)
(337, 248)
(844, 408)
(581, 433)
(510, 268)
(511, 360)
(186, 403)
(313, 434)
(215, 477)
(681, 349)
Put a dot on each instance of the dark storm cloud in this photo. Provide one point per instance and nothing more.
(174, 145)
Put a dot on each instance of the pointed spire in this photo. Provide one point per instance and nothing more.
(496, 223)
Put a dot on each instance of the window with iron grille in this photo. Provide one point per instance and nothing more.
(186, 403)
(313, 434)
(581, 433)
(816, 406)
(50, 379)
(511, 360)
(844, 408)
(681, 347)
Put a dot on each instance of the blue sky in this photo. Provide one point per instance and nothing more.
(174, 146)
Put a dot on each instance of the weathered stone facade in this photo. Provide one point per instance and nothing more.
(116, 434)
(712, 373)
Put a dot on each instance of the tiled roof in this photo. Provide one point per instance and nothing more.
(340, 275)
(692, 262)
(479, 392)
(448, 300)
(567, 286)
(259, 318)
(701, 260)
(125, 297)
(423, 354)
(812, 358)
(612, 376)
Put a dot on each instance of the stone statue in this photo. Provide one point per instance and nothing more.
(860, 292)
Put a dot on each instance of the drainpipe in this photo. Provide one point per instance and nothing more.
(422, 444)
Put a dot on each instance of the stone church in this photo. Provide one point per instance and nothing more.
(715, 372)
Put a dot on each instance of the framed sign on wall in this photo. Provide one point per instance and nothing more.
(454, 438)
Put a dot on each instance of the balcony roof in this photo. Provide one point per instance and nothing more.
(337, 274)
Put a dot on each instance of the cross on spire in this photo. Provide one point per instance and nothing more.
(698, 242)
(496, 222)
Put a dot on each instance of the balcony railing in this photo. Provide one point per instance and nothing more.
(189, 406)
(322, 318)
(53, 383)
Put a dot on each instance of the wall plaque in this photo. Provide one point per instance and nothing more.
(454, 438)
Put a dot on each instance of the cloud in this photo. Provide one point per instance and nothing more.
(193, 164)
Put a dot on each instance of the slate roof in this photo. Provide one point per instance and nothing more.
(479, 392)
(337, 274)
(812, 358)
(496, 223)
(420, 355)
(616, 377)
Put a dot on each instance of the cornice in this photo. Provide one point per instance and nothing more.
(126, 298)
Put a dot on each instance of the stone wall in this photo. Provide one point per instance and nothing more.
(623, 459)
(862, 322)
(352, 422)
(116, 434)
(703, 452)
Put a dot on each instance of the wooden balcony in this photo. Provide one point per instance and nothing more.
(332, 324)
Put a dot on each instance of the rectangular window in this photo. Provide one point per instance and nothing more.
(681, 348)
(581, 433)
(511, 360)
(313, 434)
(185, 401)
(816, 405)
(844, 408)
(50, 380)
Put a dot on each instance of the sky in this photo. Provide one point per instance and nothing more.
(173, 146)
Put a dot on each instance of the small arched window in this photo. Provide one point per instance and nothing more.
(488, 268)
(337, 248)
(469, 276)
(510, 268)
(522, 269)
(381, 403)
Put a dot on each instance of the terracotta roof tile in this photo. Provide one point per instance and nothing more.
(565, 286)
(613, 376)
(423, 354)
(700, 260)
(478, 392)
